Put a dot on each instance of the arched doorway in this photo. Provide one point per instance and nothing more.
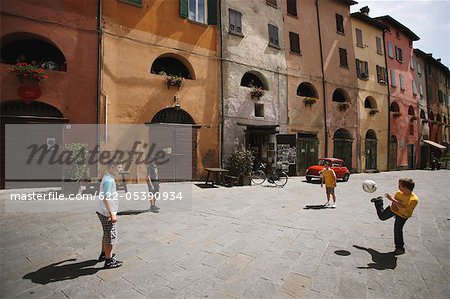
(19, 113)
(371, 150)
(173, 131)
(342, 149)
(393, 153)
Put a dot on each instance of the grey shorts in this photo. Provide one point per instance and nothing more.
(109, 230)
(330, 190)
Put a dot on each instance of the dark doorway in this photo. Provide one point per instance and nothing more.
(307, 151)
(371, 150)
(20, 113)
(174, 132)
(343, 146)
(411, 156)
(393, 153)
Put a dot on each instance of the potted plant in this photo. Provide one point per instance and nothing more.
(240, 164)
(257, 92)
(309, 101)
(172, 80)
(372, 112)
(75, 168)
(344, 106)
(25, 70)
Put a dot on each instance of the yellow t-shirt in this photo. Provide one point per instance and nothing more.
(329, 177)
(410, 202)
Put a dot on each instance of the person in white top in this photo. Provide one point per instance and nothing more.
(107, 207)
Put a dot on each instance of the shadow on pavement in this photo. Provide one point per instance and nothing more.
(314, 207)
(57, 272)
(342, 252)
(206, 186)
(381, 261)
(131, 212)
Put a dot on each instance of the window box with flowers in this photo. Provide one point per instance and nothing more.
(172, 80)
(257, 92)
(413, 118)
(396, 114)
(372, 112)
(344, 106)
(26, 71)
(424, 121)
(310, 101)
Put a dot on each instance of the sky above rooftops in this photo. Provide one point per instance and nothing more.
(429, 19)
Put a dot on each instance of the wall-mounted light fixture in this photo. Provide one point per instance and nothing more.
(177, 103)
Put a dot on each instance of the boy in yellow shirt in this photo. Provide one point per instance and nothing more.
(402, 207)
(329, 177)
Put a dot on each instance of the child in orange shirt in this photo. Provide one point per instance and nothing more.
(402, 207)
(329, 177)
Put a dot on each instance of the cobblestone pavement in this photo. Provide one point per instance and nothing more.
(240, 242)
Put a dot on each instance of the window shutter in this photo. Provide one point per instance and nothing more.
(402, 82)
(343, 57)
(393, 79)
(239, 22)
(358, 68)
(419, 71)
(292, 7)
(294, 42)
(378, 73)
(339, 23)
(359, 40)
(184, 6)
(275, 31)
(232, 17)
(379, 49)
(366, 68)
(390, 50)
(212, 12)
(421, 89)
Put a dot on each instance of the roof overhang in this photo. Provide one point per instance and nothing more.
(435, 144)
(390, 20)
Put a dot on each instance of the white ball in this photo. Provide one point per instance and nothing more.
(369, 186)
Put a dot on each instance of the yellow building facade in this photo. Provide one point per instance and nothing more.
(372, 96)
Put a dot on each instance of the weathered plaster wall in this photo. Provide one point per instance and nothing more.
(371, 88)
(400, 126)
(252, 53)
(337, 76)
(305, 67)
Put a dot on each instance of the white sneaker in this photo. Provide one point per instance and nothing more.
(327, 204)
(333, 205)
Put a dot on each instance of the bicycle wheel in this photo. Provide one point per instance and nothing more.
(258, 177)
(281, 179)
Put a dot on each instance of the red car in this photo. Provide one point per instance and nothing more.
(337, 165)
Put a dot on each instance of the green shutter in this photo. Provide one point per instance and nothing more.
(184, 9)
(212, 12)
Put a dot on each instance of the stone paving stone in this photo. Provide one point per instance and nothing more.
(232, 268)
(295, 286)
(278, 272)
(236, 286)
(262, 288)
(215, 260)
(234, 248)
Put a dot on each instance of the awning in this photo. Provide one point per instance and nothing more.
(434, 144)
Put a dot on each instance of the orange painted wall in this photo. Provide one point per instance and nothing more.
(70, 26)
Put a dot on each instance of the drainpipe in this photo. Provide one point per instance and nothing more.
(389, 102)
(222, 120)
(323, 81)
(99, 59)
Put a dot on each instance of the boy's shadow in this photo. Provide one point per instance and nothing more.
(56, 272)
(381, 261)
(314, 207)
(131, 212)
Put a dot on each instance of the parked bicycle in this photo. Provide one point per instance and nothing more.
(277, 177)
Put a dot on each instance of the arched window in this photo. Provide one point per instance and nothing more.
(340, 95)
(172, 66)
(411, 110)
(255, 79)
(394, 107)
(370, 134)
(370, 103)
(35, 108)
(438, 118)
(173, 116)
(32, 49)
(422, 114)
(431, 115)
(306, 89)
